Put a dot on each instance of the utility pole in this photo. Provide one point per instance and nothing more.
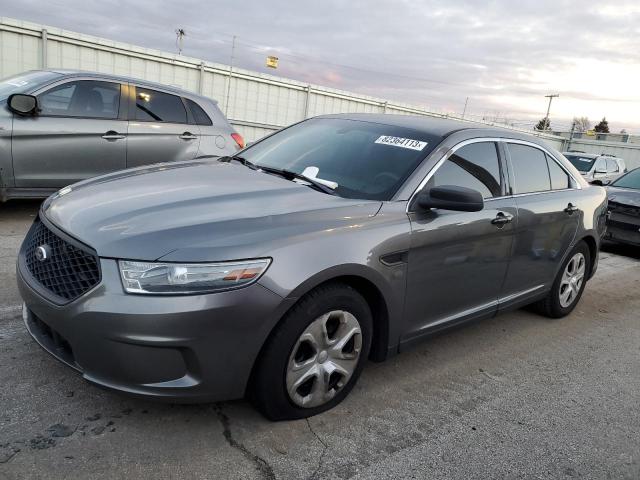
(550, 97)
(233, 51)
(465, 107)
(180, 34)
(573, 129)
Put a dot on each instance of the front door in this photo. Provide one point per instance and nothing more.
(77, 134)
(159, 130)
(458, 260)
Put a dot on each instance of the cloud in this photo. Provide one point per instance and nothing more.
(503, 55)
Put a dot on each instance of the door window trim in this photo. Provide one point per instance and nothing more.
(501, 156)
(122, 104)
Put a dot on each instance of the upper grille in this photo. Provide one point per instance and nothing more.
(68, 272)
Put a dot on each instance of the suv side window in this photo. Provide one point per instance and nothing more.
(612, 166)
(560, 180)
(473, 166)
(199, 115)
(81, 98)
(530, 169)
(601, 166)
(155, 106)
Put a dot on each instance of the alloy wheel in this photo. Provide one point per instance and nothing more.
(572, 279)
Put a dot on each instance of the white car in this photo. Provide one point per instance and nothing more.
(605, 168)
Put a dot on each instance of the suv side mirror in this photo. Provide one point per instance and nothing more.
(22, 104)
(597, 182)
(449, 197)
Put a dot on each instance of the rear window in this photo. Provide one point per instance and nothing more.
(154, 106)
(529, 169)
(583, 164)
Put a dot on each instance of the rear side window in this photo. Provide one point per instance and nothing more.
(530, 169)
(154, 106)
(560, 180)
(473, 166)
(199, 115)
(612, 166)
(82, 98)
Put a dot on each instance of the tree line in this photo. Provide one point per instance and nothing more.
(581, 125)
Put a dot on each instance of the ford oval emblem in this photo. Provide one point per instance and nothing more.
(43, 252)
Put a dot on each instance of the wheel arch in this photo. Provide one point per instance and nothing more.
(593, 252)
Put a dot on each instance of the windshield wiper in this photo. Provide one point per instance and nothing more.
(291, 175)
(239, 159)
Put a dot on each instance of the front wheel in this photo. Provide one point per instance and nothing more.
(569, 284)
(314, 356)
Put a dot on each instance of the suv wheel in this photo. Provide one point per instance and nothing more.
(568, 285)
(314, 357)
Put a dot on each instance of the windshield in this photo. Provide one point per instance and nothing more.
(583, 164)
(630, 180)
(367, 160)
(24, 82)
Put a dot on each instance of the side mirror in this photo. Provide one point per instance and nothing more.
(449, 197)
(22, 104)
(597, 182)
(603, 172)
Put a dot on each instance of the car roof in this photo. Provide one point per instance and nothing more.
(122, 78)
(439, 126)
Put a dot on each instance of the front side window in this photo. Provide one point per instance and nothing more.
(82, 98)
(367, 160)
(560, 180)
(530, 170)
(612, 166)
(154, 106)
(601, 166)
(474, 166)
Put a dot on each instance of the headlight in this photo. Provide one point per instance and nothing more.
(186, 278)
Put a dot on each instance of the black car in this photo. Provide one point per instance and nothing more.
(623, 221)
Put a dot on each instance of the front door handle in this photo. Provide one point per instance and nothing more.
(112, 135)
(188, 136)
(571, 208)
(502, 219)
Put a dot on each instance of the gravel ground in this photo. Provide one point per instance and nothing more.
(517, 396)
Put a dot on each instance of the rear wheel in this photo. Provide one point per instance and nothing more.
(568, 285)
(315, 356)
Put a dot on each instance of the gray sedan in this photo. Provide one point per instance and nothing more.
(276, 274)
(58, 127)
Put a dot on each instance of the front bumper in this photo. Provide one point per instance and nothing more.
(195, 348)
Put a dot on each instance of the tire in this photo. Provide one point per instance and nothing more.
(324, 315)
(555, 305)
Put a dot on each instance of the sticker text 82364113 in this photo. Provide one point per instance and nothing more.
(401, 142)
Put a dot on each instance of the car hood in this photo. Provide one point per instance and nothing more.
(625, 196)
(196, 211)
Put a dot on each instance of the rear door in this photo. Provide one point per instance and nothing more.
(548, 216)
(159, 128)
(80, 132)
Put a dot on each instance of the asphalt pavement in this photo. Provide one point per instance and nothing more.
(517, 396)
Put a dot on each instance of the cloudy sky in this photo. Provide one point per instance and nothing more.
(504, 55)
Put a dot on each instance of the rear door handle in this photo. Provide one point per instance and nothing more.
(502, 219)
(188, 136)
(112, 135)
(571, 208)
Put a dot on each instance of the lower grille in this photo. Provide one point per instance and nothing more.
(62, 268)
(52, 341)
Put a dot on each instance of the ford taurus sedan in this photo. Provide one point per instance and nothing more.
(277, 273)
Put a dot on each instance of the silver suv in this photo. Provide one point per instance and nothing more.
(58, 127)
(593, 167)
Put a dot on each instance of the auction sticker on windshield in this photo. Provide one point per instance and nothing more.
(401, 142)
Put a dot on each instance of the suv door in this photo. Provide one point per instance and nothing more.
(548, 215)
(613, 170)
(159, 129)
(458, 260)
(79, 132)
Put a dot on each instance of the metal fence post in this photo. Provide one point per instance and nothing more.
(201, 79)
(384, 107)
(306, 101)
(45, 40)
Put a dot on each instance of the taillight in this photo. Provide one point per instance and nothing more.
(239, 140)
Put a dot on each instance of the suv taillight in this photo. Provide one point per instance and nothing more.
(239, 140)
